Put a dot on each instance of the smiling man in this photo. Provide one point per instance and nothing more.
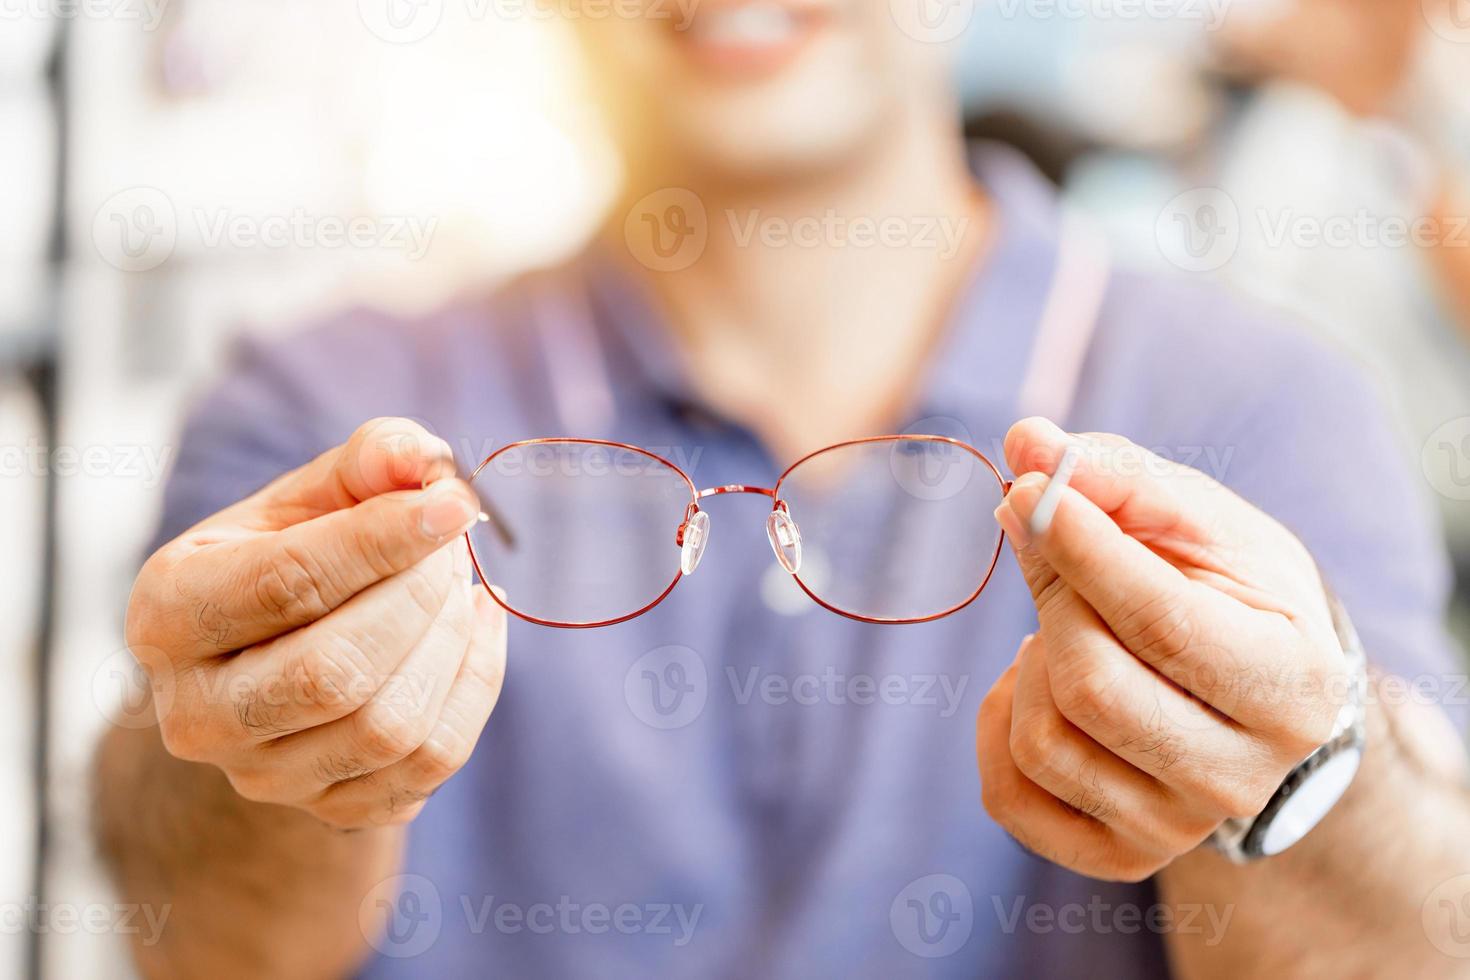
(1148, 668)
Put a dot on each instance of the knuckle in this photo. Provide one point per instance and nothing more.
(1094, 803)
(402, 809)
(292, 587)
(326, 675)
(332, 769)
(426, 585)
(1035, 747)
(1088, 694)
(257, 786)
(386, 732)
(1239, 798)
(1160, 628)
(260, 712)
(1134, 868)
(185, 739)
(442, 755)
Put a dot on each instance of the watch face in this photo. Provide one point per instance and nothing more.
(1310, 800)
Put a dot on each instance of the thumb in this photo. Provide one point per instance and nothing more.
(382, 455)
(1145, 494)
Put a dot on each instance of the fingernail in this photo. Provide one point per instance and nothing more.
(445, 512)
(1012, 525)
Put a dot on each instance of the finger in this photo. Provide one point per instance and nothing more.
(381, 456)
(330, 669)
(1146, 720)
(1037, 820)
(1066, 762)
(391, 725)
(1171, 621)
(398, 792)
(1147, 495)
(263, 585)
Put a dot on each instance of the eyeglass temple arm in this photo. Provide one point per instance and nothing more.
(490, 515)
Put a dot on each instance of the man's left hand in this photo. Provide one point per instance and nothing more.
(1185, 662)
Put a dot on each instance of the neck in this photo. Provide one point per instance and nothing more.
(814, 305)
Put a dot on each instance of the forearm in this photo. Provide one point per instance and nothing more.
(249, 889)
(1348, 898)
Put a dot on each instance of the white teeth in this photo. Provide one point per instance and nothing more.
(746, 25)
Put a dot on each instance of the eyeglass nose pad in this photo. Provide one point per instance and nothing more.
(785, 537)
(692, 537)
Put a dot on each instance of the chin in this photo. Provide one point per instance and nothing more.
(761, 136)
(752, 90)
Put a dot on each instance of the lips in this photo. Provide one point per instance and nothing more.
(749, 38)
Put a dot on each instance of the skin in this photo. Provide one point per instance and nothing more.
(326, 587)
(320, 663)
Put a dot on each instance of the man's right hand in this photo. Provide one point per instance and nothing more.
(322, 642)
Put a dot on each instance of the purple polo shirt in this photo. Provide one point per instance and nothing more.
(736, 785)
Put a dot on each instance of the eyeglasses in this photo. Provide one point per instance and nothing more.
(584, 533)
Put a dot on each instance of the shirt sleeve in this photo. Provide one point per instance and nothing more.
(257, 422)
(1315, 450)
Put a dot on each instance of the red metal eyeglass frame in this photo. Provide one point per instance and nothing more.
(696, 495)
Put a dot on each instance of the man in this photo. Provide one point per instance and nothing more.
(1185, 661)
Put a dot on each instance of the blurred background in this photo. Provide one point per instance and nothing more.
(176, 172)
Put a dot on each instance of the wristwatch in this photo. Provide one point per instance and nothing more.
(1318, 781)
